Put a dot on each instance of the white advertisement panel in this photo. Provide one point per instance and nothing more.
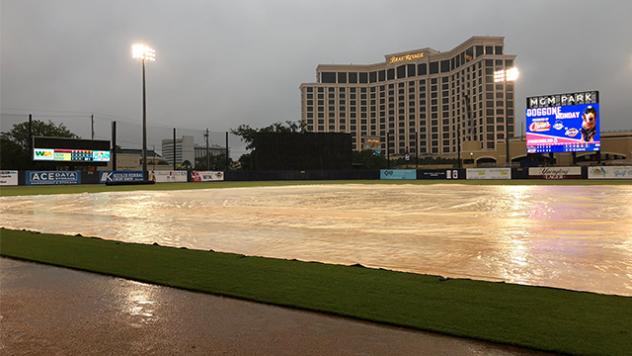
(169, 176)
(610, 172)
(207, 176)
(555, 172)
(8, 177)
(488, 173)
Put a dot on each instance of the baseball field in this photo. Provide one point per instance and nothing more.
(545, 266)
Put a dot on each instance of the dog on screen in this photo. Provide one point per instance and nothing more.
(589, 124)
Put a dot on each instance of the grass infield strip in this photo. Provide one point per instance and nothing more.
(6, 191)
(540, 318)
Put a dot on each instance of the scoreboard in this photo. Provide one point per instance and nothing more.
(54, 149)
(563, 123)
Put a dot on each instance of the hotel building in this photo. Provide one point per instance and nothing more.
(421, 99)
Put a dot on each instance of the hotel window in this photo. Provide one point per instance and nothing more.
(445, 66)
(489, 50)
(434, 67)
(498, 50)
(412, 70)
(327, 77)
(390, 74)
(421, 69)
(469, 54)
(310, 89)
(363, 77)
(381, 75)
(401, 72)
(353, 77)
(342, 77)
(479, 51)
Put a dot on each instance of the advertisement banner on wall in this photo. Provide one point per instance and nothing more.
(121, 176)
(398, 174)
(438, 174)
(488, 173)
(610, 172)
(52, 177)
(207, 176)
(169, 176)
(555, 172)
(8, 177)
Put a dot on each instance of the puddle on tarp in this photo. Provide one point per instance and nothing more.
(574, 237)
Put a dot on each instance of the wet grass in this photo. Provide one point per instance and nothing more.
(96, 188)
(539, 318)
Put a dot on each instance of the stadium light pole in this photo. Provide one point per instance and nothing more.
(504, 76)
(144, 53)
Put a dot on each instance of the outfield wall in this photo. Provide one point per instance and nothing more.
(8, 178)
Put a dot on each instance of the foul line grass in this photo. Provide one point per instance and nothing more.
(539, 318)
(96, 188)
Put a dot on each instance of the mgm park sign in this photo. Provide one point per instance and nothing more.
(545, 101)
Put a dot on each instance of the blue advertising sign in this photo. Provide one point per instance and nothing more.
(398, 174)
(52, 177)
(563, 123)
(121, 176)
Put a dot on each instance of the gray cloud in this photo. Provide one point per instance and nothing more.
(221, 64)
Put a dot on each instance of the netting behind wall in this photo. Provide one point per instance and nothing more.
(193, 144)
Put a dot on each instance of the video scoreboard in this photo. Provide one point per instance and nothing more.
(563, 123)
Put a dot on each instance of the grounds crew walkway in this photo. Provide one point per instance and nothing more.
(52, 310)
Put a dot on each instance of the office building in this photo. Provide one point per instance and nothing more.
(184, 150)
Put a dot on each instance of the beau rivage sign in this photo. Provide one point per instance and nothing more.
(405, 57)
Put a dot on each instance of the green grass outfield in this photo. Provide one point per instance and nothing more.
(95, 188)
(540, 318)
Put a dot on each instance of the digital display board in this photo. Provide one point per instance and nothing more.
(70, 155)
(563, 123)
(53, 149)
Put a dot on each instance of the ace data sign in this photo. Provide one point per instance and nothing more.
(563, 123)
(52, 177)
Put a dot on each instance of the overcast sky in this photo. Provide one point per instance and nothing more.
(224, 63)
